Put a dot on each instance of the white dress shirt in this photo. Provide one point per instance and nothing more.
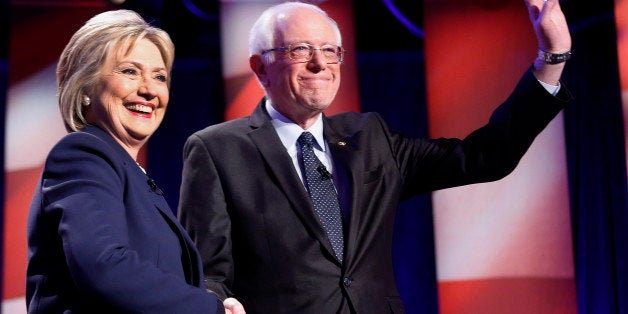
(289, 132)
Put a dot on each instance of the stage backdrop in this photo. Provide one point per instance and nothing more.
(502, 247)
(38, 32)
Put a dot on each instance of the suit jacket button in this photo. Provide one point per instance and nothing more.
(347, 281)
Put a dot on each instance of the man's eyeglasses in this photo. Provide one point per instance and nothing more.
(303, 52)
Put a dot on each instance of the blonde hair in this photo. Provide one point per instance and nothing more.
(85, 54)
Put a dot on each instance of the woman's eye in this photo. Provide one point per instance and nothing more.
(129, 71)
(161, 78)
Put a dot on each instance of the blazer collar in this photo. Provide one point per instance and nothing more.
(107, 138)
(345, 153)
(189, 251)
(265, 137)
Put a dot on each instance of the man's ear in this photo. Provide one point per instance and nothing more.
(258, 67)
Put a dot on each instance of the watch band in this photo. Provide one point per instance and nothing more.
(554, 58)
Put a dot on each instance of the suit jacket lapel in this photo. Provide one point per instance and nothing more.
(190, 257)
(192, 264)
(344, 151)
(280, 167)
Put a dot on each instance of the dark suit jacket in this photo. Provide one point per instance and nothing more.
(243, 203)
(101, 240)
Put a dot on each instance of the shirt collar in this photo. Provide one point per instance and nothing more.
(289, 132)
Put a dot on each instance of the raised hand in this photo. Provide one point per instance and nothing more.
(550, 25)
(552, 34)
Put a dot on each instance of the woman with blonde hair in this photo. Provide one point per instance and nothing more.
(101, 236)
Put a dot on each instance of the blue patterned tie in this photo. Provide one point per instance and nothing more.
(323, 193)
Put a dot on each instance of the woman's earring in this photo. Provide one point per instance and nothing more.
(87, 101)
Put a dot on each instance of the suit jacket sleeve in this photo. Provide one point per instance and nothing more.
(488, 153)
(203, 211)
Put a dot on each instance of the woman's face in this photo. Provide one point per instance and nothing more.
(132, 94)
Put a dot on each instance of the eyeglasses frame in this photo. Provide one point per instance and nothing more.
(286, 49)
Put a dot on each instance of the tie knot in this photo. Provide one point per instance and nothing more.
(306, 138)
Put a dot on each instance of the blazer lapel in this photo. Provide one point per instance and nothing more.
(192, 265)
(190, 258)
(344, 151)
(267, 141)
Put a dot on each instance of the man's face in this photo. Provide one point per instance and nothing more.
(303, 88)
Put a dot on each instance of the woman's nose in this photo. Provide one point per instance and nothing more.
(146, 88)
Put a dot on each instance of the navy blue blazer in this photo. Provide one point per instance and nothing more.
(102, 239)
(243, 203)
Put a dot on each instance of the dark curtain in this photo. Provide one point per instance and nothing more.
(391, 76)
(4, 84)
(393, 84)
(195, 103)
(596, 160)
(196, 94)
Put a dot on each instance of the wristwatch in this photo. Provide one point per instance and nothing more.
(554, 58)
